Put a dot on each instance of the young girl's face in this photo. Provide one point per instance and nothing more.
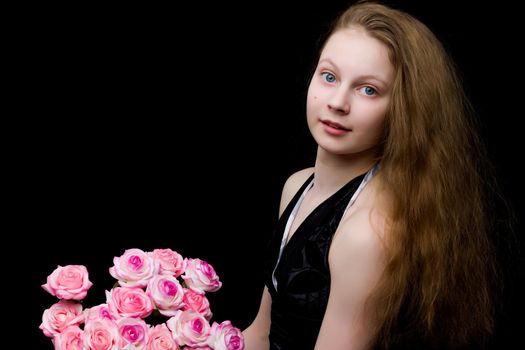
(349, 93)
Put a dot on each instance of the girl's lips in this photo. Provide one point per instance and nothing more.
(334, 128)
(334, 125)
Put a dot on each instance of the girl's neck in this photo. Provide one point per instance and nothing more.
(334, 171)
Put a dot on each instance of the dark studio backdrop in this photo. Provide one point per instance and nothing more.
(156, 128)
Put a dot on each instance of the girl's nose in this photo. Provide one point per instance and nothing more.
(340, 102)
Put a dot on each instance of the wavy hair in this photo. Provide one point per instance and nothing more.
(437, 281)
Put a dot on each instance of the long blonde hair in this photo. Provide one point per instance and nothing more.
(436, 284)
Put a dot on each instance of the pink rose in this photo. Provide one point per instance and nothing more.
(189, 328)
(201, 275)
(134, 268)
(59, 316)
(226, 337)
(171, 262)
(167, 294)
(196, 300)
(101, 334)
(133, 333)
(129, 302)
(69, 339)
(159, 338)
(100, 311)
(68, 282)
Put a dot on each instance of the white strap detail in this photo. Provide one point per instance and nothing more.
(287, 229)
(362, 185)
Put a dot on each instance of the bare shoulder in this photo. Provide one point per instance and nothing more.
(292, 185)
(359, 239)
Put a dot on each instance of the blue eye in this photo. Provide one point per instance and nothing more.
(369, 91)
(328, 77)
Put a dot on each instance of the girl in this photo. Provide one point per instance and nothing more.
(383, 243)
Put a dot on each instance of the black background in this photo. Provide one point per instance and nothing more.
(177, 127)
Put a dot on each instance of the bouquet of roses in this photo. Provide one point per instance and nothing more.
(161, 281)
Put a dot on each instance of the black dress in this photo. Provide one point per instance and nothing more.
(302, 275)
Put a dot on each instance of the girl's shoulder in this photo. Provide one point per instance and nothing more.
(292, 185)
(370, 214)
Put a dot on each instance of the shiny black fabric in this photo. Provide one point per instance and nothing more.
(303, 276)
